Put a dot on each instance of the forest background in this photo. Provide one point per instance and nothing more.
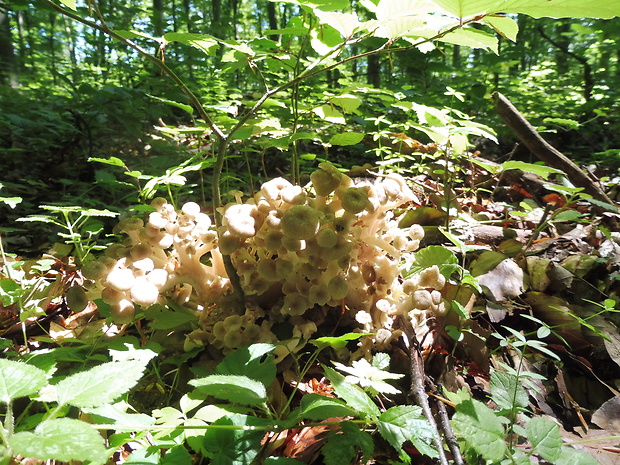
(107, 108)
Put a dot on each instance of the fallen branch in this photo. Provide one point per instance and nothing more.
(543, 150)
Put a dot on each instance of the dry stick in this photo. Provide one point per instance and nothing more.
(444, 421)
(543, 150)
(419, 393)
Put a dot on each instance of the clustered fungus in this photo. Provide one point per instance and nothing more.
(301, 254)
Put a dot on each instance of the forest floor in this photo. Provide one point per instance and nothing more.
(547, 259)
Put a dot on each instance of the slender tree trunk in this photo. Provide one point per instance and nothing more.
(8, 64)
(273, 19)
(374, 71)
(158, 18)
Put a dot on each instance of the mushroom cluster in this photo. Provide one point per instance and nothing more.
(329, 253)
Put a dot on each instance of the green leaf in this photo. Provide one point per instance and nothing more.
(11, 201)
(347, 138)
(343, 448)
(541, 170)
(234, 439)
(62, 439)
(406, 423)
(233, 388)
(255, 361)
(507, 391)
(281, 461)
(434, 255)
(535, 8)
(348, 102)
(177, 455)
(337, 342)
(478, 426)
(69, 4)
(318, 407)
(329, 113)
(503, 25)
(353, 395)
(203, 42)
(567, 215)
(473, 38)
(345, 23)
(99, 385)
(19, 379)
(544, 435)
(570, 456)
(187, 108)
(113, 161)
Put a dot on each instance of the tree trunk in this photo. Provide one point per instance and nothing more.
(374, 71)
(273, 19)
(8, 64)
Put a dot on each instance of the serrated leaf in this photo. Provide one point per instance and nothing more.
(236, 441)
(535, 8)
(478, 426)
(99, 385)
(19, 379)
(347, 138)
(233, 388)
(570, 456)
(343, 448)
(255, 361)
(61, 439)
(318, 407)
(406, 423)
(544, 435)
(445, 260)
(353, 395)
(507, 391)
(348, 102)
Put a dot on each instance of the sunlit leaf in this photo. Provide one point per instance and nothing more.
(503, 25)
(255, 361)
(545, 438)
(61, 439)
(406, 423)
(478, 426)
(99, 385)
(233, 388)
(18, 379)
(347, 138)
(345, 23)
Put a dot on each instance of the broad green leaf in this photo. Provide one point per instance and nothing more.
(318, 407)
(118, 414)
(61, 439)
(503, 25)
(19, 379)
(348, 102)
(535, 8)
(567, 215)
(203, 42)
(255, 361)
(478, 426)
(345, 23)
(507, 391)
(541, 170)
(329, 113)
(406, 423)
(99, 385)
(445, 260)
(233, 388)
(177, 455)
(473, 38)
(347, 138)
(343, 448)
(235, 439)
(570, 456)
(353, 395)
(544, 435)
